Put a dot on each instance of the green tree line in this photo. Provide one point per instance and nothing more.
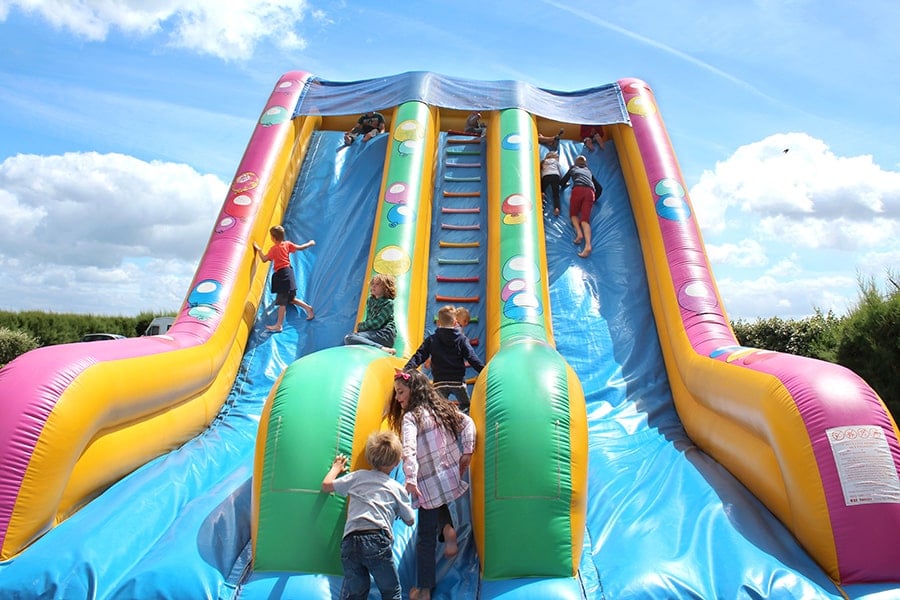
(866, 341)
(24, 331)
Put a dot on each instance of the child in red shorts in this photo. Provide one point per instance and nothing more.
(585, 190)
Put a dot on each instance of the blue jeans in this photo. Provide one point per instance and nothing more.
(453, 389)
(365, 552)
(375, 337)
(431, 524)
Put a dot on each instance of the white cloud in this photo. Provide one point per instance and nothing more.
(787, 267)
(800, 190)
(811, 219)
(841, 234)
(227, 30)
(19, 219)
(746, 253)
(877, 264)
(102, 232)
(794, 298)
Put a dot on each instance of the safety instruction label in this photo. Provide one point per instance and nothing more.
(864, 464)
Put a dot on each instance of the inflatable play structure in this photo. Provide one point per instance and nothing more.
(627, 446)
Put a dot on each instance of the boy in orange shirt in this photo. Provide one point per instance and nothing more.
(284, 286)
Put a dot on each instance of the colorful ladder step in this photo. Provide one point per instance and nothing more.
(464, 141)
(461, 194)
(459, 211)
(465, 133)
(455, 152)
(456, 299)
(454, 178)
(444, 244)
(457, 261)
(460, 227)
(461, 165)
(445, 279)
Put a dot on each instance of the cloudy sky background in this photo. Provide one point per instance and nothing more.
(121, 125)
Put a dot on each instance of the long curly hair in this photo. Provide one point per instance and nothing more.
(422, 397)
(389, 283)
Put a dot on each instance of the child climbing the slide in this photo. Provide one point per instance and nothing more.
(450, 353)
(284, 285)
(375, 500)
(463, 318)
(551, 142)
(585, 191)
(438, 442)
(593, 136)
(550, 178)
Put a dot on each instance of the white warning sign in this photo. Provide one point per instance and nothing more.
(864, 465)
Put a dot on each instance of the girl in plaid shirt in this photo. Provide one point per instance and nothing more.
(438, 441)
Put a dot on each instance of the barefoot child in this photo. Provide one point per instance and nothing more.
(284, 286)
(585, 191)
(432, 430)
(552, 142)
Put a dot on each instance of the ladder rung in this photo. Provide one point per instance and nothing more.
(454, 152)
(456, 299)
(458, 132)
(444, 244)
(459, 211)
(461, 194)
(451, 165)
(445, 279)
(464, 141)
(457, 261)
(453, 178)
(460, 227)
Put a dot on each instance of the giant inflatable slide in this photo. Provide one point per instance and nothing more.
(628, 446)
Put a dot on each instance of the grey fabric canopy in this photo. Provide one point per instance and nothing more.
(599, 105)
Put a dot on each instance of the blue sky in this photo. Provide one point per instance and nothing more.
(122, 123)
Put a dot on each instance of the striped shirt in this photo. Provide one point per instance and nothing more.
(431, 457)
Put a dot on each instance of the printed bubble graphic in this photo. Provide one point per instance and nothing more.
(274, 116)
(697, 296)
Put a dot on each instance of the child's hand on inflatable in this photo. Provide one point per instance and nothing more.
(342, 462)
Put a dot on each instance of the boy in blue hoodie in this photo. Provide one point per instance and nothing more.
(450, 351)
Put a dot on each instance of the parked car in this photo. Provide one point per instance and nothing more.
(159, 325)
(96, 337)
